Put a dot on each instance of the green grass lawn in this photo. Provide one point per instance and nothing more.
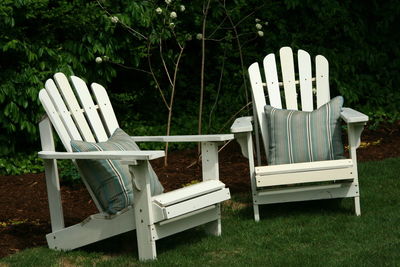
(315, 233)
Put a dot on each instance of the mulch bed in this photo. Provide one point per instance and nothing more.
(24, 215)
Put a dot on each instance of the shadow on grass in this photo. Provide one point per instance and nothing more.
(126, 244)
(292, 209)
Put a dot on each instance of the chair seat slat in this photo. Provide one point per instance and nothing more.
(305, 177)
(188, 192)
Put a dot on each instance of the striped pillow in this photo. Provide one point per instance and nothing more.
(109, 180)
(299, 136)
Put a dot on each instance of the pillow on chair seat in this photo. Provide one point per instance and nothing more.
(109, 180)
(300, 136)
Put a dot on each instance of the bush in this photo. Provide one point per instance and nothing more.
(40, 37)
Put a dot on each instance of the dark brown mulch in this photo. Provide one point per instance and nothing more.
(24, 216)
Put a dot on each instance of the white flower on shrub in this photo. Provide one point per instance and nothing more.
(173, 15)
(199, 36)
(258, 26)
(266, 23)
(158, 10)
(168, 2)
(260, 33)
(98, 60)
(172, 25)
(182, 7)
(258, 20)
(114, 19)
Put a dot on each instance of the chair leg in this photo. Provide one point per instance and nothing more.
(210, 171)
(146, 244)
(357, 206)
(214, 227)
(256, 213)
(145, 229)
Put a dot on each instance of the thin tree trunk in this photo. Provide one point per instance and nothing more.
(171, 103)
(205, 11)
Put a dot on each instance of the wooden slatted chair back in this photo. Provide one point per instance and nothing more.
(289, 85)
(74, 114)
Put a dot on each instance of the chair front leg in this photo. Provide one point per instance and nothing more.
(145, 229)
(54, 194)
(354, 134)
(249, 147)
(52, 179)
(210, 171)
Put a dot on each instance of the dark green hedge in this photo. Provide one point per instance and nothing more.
(40, 37)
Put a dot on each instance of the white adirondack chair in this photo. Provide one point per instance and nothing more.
(153, 217)
(339, 176)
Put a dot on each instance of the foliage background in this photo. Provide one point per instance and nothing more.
(40, 37)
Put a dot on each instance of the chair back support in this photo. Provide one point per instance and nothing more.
(291, 82)
(78, 120)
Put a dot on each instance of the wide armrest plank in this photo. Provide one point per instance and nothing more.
(188, 192)
(184, 138)
(117, 155)
(242, 124)
(352, 116)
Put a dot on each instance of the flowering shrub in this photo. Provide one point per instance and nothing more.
(111, 42)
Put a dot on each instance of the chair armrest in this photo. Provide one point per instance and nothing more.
(352, 116)
(184, 138)
(242, 124)
(116, 155)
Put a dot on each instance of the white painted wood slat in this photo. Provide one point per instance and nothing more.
(94, 228)
(197, 203)
(188, 192)
(184, 138)
(105, 107)
(51, 174)
(353, 116)
(242, 124)
(272, 82)
(302, 193)
(305, 80)
(64, 113)
(305, 177)
(178, 224)
(55, 119)
(259, 99)
(90, 109)
(288, 77)
(74, 107)
(322, 80)
(304, 166)
(119, 155)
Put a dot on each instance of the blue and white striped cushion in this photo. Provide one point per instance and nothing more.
(299, 136)
(109, 180)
